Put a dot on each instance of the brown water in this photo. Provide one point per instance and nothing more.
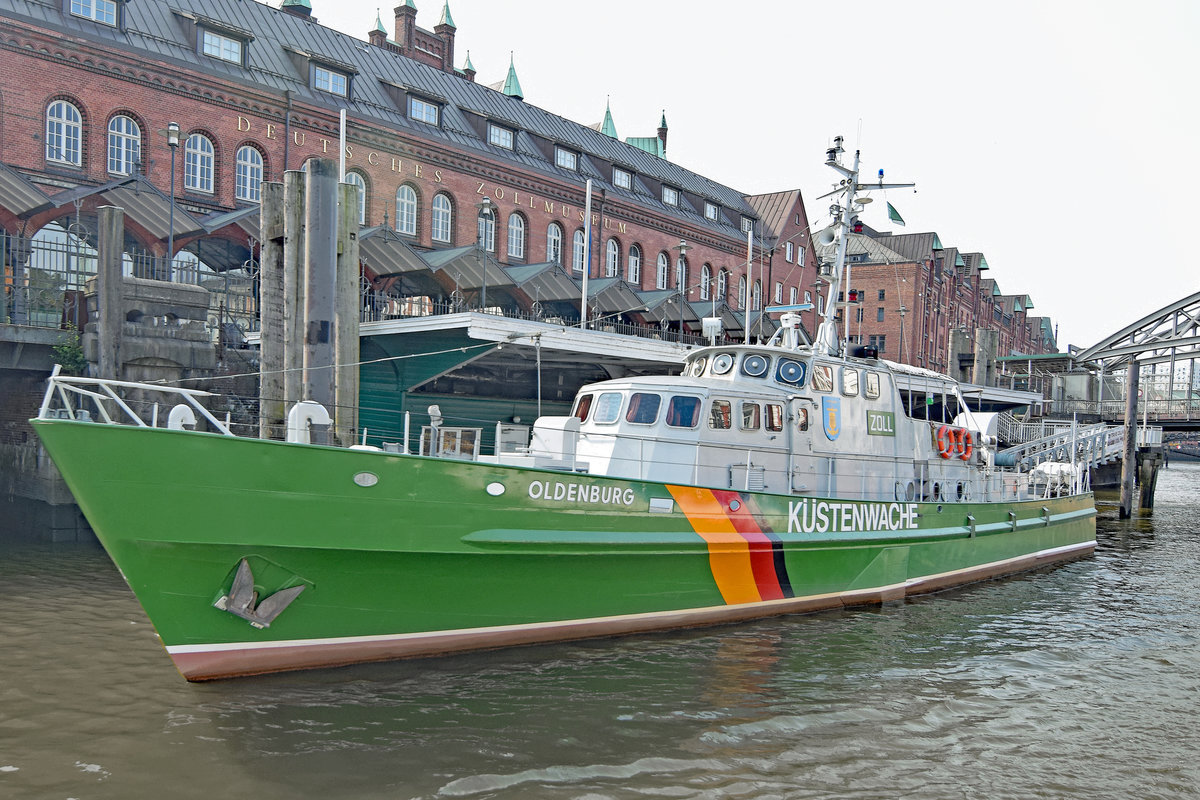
(1078, 682)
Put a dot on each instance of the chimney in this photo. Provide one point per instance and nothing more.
(297, 8)
(406, 27)
(662, 131)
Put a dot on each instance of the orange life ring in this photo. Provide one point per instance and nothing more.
(965, 445)
(945, 441)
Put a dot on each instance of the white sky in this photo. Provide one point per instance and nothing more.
(1051, 135)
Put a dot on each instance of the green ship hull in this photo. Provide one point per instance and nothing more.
(359, 556)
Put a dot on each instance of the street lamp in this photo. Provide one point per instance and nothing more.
(173, 143)
(486, 210)
(680, 279)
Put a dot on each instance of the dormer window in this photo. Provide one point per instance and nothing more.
(500, 136)
(330, 80)
(102, 11)
(622, 178)
(747, 225)
(670, 195)
(423, 110)
(218, 45)
(567, 159)
(711, 211)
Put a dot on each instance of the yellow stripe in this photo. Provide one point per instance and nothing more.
(728, 552)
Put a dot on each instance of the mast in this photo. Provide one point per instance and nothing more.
(842, 211)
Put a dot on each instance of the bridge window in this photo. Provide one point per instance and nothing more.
(849, 381)
(774, 417)
(643, 408)
(582, 406)
(751, 416)
(822, 377)
(802, 419)
(608, 408)
(790, 371)
(720, 416)
(683, 412)
(871, 390)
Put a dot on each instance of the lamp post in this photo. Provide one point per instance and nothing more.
(486, 209)
(173, 143)
(681, 279)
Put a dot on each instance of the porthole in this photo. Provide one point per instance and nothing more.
(698, 366)
(722, 363)
(755, 365)
(366, 479)
(790, 371)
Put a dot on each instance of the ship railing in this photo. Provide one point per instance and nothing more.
(111, 402)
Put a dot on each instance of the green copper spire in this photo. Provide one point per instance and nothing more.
(608, 128)
(663, 124)
(468, 65)
(512, 86)
(296, 4)
(446, 18)
(379, 23)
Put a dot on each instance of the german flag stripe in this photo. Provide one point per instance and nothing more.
(745, 556)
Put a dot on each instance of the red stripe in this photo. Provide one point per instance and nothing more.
(762, 553)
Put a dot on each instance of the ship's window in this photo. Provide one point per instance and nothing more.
(683, 412)
(822, 377)
(751, 416)
(698, 366)
(643, 408)
(774, 417)
(871, 389)
(849, 381)
(802, 419)
(720, 415)
(722, 363)
(608, 408)
(582, 406)
(790, 371)
(755, 365)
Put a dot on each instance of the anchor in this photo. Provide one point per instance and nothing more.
(242, 600)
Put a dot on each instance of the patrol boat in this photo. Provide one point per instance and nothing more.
(766, 479)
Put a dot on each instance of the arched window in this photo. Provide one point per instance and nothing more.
(662, 276)
(757, 296)
(705, 281)
(64, 129)
(249, 174)
(354, 179)
(635, 265)
(124, 145)
(742, 293)
(554, 242)
(722, 283)
(406, 210)
(485, 230)
(443, 217)
(612, 259)
(198, 158)
(578, 251)
(516, 235)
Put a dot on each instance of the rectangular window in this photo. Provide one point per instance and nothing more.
(879, 314)
(643, 408)
(423, 110)
(792, 295)
(872, 385)
(789, 252)
(881, 295)
(751, 416)
(778, 292)
(720, 416)
(670, 195)
(747, 225)
(878, 342)
(622, 178)
(711, 211)
(501, 137)
(328, 80)
(220, 46)
(103, 11)
(774, 417)
(799, 255)
(683, 412)
(822, 377)
(849, 382)
(566, 158)
(858, 315)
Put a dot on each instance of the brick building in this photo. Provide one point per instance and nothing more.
(257, 90)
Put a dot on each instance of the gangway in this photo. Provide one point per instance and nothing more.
(1088, 446)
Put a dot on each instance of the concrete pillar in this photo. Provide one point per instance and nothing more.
(987, 342)
(110, 291)
(1129, 457)
(293, 287)
(320, 280)
(272, 413)
(346, 327)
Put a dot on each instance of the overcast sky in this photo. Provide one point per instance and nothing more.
(1059, 138)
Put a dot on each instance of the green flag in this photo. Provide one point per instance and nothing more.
(894, 215)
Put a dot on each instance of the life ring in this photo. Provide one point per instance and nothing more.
(945, 441)
(965, 445)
